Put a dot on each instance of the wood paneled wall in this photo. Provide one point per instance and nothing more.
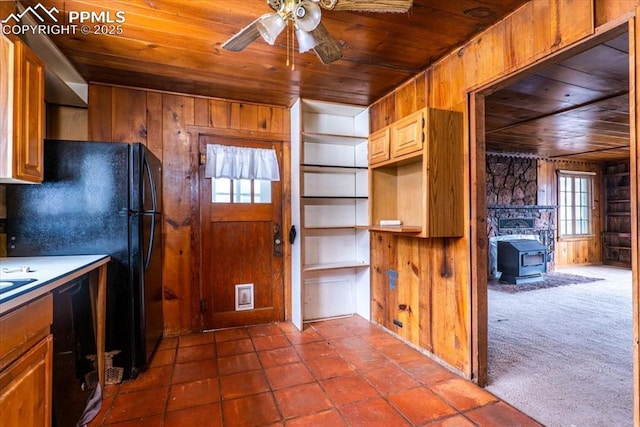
(444, 266)
(447, 272)
(573, 251)
(160, 121)
(456, 329)
(68, 123)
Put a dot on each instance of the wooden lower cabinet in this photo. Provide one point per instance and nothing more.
(25, 388)
(26, 355)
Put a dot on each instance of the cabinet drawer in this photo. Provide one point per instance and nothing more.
(23, 327)
(407, 135)
(379, 146)
(25, 388)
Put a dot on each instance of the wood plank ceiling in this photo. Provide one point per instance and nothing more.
(175, 45)
(577, 109)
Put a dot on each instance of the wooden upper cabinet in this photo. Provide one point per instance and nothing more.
(407, 135)
(22, 126)
(379, 146)
(421, 183)
(404, 138)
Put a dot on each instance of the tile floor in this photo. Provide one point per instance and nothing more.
(344, 372)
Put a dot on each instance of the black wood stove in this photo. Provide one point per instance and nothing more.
(522, 261)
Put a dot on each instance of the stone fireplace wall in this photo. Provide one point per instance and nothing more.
(511, 181)
(512, 189)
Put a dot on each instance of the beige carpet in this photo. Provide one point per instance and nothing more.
(564, 355)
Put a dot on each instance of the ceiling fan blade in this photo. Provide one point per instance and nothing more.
(243, 37)
(397, 6)
(327, 49)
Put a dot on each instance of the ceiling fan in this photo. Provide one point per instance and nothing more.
(304, 17)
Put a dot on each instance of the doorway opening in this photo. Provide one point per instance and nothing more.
(240, 226)
(557, 140)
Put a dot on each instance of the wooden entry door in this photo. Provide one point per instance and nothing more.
(241, 270)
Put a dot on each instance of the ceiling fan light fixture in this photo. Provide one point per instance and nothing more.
(307, 15)
(303, 17)
(270, 26)
(306, 41)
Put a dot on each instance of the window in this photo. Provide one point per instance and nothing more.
(226, 190)
(575, 196)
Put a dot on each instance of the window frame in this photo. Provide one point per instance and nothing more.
(235, 195)
(574, 176)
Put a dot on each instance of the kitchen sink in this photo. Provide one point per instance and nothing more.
(9, 284)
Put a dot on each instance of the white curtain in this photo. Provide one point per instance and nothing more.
(224, 161)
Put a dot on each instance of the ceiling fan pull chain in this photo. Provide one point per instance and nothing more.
(288, 43)
(293, 49)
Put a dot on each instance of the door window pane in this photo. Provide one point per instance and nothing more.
(241, 191)
(221, 190)
(261, 191)
(225, 190)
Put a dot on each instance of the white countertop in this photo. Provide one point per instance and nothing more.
(49, 272)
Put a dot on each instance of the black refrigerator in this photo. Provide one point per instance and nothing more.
(101, 198)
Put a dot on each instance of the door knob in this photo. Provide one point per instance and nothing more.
(277, 240)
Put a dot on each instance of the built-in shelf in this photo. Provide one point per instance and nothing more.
(616, 237)
(335, 197)
(330, 205)
(618, 174)
(401, 229)
(332, 168)
(321, 138)
(335, 265)
(617, 233)
(337, 227)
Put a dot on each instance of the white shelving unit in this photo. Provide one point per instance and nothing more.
(330, 210)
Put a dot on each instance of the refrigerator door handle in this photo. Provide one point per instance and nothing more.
(152, 186)
(152, 233)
